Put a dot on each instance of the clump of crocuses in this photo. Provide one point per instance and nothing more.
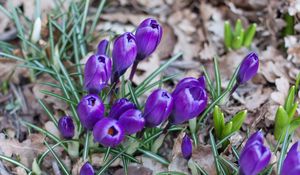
(255, 156)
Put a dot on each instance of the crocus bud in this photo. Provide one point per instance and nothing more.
(158, 107)
(124, 53)
(248, 68)
(108, 132)
(255, 156)
(291, 164)
(66, 127)
(190, 98)
(90, 110)
(186, 147)
(132, 121)
(148, 36)
(97, 73)
(102, 47)
(87, 169)
(119, 107)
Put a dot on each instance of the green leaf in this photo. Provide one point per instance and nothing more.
(219, 123)
(227, 129)
(285, 145)
(289, 101)
(237, 120)
(104, 167)
(155, 156)
(227, 35)
(292, 111)
(281, 122)
(60, 163)
(238, 40)
(35, 168)
(217, 76)
(8, 159)
(249, 35)
(295, 124)
(297, 83)
(238, 27)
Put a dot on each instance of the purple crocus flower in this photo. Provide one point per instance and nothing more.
(97, 73)
(191, 99)
(248, 68)
(186, 147)
(108, 132)
(255, 156)
(291, 164)
(102, 47)
(119, 107)
(158, 107)
(66, 127)
(132, 121)
(148, 36)
(123, 54)
(87, 169)
(90, 110)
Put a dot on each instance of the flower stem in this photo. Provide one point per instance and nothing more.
(133, 70)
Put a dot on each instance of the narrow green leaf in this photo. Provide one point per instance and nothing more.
(217, 76)
(289, 101)
(227, 129)
(238, 27)
(284, 148)
(8, 159)
(96, 18)
(209, 83)
(237, 120)
(238, 40)
(86, 146)
(218, 119)
(61, 164)
(104, 168)
(227, 35)
(133, 96)
(53, 119)
(249, 35)
(157, 72)
(281, 122)
(215, 152)
(107, 154)
(295, 124)
(155, 156)
(292, 111)
(296, 83)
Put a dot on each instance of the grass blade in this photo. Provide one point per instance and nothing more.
(8, 159)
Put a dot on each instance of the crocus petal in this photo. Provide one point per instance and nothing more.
(66, 127)
(189, 82)
(102, 47)
(132, 121)
(255, 156)
(119, 107)
(124, 53)
(190, 102)
(158, 107)
(108, 132)
(90, 110)
(97, 73)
